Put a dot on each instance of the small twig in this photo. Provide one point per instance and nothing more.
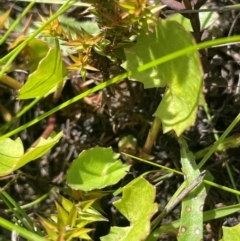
(233, 24)
(218, 9)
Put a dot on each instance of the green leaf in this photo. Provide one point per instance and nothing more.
(182, 76)
(10, 152)
(67, 204)
(96, 168)
(72, 216)
(62, 218)
(231, 233)
(12, 155)
(90, 215)
(37, 50)
(49, 74)
(34, 51)
(116, 233)
(191, 224)
(80, 233)
(43, 146)
(50, 227)
(137, 205)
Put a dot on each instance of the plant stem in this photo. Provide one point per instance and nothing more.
(9, 81)
(152, 135)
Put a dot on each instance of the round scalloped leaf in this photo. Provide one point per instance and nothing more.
(96, 168)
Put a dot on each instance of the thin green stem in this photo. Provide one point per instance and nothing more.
(19, 213)
(216, 136)
(37, 201)
(21, 231)
(227, 189)
(229, 142)
(180, 173)
(16, 22)
(154, 164)
(219, 141)
(76, 2)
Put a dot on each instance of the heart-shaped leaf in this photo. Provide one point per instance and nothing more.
(96, 168)
(182, 75)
